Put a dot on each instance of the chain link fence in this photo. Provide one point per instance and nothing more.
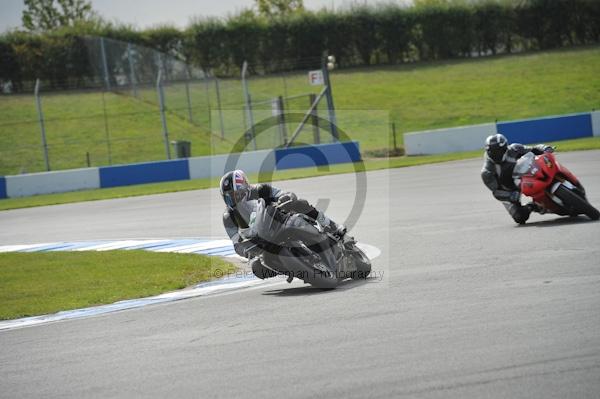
(257, 97)
(135, 103)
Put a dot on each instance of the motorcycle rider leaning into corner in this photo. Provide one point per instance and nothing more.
(239, 195)
(499, 161)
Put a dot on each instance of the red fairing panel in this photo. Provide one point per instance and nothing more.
(535, 185)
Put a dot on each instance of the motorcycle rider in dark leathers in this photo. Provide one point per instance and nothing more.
(240, 199)
(499, 160)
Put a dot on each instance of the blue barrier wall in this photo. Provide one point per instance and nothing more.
(547, 129)
(317, 155)
(151, 172)
(2, 187)
(465, 138)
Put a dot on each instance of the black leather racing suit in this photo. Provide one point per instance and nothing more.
(234, 222)
(498, 178)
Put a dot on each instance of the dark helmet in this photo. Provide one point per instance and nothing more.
(234, 187)
(495, 147)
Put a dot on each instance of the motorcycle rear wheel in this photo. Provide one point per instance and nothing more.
(577, 203)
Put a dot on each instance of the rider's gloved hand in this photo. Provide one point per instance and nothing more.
(515, 196)
(549, 148)
(286, 201)
(286, 197)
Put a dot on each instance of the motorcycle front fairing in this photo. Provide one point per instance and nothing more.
(539, 176)
(288, 231)
(268, 223)
(565, 173)
(534, 174)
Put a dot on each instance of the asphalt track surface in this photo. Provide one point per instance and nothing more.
(470, 305)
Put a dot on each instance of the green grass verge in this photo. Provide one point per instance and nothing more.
(419, 96)
(112, 127)
(434, 95)
(41, 283)
(185, 185)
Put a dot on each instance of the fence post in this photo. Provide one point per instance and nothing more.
(251, 122)
(394, 134)
(208, 107)
(189, 101)
(281, 119)
(285, 91)
(106, 131)
(248, 103)
(209, 119)
(104, 64)
(247, 134)
(245, 122)
(315, 118)
(218, 90)
(307, 115)
(131, 71)
(160, 61)
(161, 103)
(38, 103)
(329, 96)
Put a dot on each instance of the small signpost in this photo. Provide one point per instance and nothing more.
(319, 77)
(315, 78)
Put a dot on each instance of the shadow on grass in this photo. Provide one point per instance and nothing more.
(559, 221)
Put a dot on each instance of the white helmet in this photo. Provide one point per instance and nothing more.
(234, 187)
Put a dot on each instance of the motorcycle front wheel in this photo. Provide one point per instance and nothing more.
(312, 270)
(575, 203)
(362, 264)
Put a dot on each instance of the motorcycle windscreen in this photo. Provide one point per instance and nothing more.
(524, 165)
(245, 213)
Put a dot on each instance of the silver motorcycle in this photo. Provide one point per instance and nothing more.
(297, 246)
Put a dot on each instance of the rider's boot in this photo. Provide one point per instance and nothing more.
(260, 270)
(533, 207)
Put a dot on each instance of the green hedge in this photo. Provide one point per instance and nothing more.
(57, 58)
(387, 34)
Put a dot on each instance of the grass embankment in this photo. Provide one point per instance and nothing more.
(76, 124)
(41, 283)
(186, 185)
(436, 95)
(417, 97)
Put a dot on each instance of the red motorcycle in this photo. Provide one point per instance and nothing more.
(552, 187)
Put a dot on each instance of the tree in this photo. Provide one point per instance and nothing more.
(272, 8)
(46, 15)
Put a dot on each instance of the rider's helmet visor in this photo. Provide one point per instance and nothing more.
(229, 199)
(232, 197)
(496, 153)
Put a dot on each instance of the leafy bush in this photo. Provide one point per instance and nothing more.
(359, 35)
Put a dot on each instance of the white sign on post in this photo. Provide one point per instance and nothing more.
(315, 78)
